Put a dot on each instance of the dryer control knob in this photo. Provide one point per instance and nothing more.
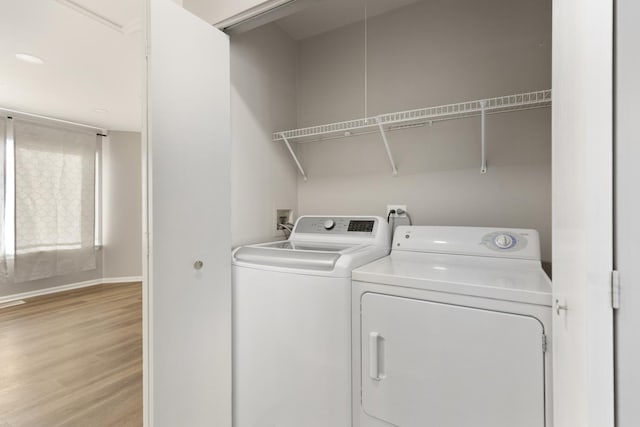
(329, 224)
(503, 241)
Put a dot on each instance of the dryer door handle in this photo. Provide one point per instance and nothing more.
(374, 371)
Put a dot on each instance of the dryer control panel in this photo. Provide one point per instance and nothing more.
(505, 241)
(477, 241)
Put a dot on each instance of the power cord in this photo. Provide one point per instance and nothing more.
(404, 212)
(392, 211)
(395, 212)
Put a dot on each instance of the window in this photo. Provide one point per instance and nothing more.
(50, 199)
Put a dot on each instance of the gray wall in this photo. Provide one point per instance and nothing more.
(627, 212)
(8, 288)
(432, 53)
(122, 205)
(263, 74)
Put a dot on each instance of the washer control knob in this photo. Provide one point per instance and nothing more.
(503, 241)
(329, 224)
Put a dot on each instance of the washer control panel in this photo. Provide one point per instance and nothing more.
(336, 225)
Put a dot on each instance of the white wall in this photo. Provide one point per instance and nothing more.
(122, 205)
(263, 67)
(627, 212)
(431, 53)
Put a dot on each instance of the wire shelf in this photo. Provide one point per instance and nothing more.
(409, 118)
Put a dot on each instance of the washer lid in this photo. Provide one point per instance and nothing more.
(495, 278)
(297, 255)
(308, 246)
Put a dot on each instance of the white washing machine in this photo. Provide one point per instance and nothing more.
(452, 329)
(292, 322)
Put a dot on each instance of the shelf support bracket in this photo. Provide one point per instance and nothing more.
(293, 154)
(483, 116)
(386, 146)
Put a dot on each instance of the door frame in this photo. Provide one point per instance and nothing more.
(147, 218)
(582, 212)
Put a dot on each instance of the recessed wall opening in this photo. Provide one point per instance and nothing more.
(327, 64)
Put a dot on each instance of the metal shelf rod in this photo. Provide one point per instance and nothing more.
(483, 116)
(386, 146)
(295, 158)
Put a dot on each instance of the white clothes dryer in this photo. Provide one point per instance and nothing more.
(452, 329)
(292, 322)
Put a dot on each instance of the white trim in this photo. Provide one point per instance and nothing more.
(124, 279)
(147, 307)
(251, 13)
(133, 26)
(263, 13)
(68, 287)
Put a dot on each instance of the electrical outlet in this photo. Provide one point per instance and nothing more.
(395, 208)
(283, 216)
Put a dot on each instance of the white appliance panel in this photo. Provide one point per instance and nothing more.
(291, 349)
(446, 365)
(495, 278)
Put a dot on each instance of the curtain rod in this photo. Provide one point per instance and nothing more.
(9, 112)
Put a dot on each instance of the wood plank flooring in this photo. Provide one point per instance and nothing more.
(73, 359)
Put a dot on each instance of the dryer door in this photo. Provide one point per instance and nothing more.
(431, 364)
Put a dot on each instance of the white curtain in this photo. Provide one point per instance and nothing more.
(54, 200)
(3, 140)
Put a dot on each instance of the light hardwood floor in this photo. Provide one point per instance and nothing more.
(73, 359)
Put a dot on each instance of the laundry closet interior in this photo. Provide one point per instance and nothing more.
(344, 108)
(326, 64)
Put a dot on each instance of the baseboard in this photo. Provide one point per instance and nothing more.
(69, 287)
(121, 279)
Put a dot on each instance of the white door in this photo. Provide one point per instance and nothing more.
(431, 364)
(582, 212)
(189, 220)
(627, 211)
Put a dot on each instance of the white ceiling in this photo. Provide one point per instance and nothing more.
(326, 15)
(93, 59)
